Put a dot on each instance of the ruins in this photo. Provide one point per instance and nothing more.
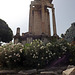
(39, 22)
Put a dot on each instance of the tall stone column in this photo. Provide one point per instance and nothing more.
(30, 19)
(54, 22)
(43, 17)
(37, 22)
(49, 29)
(47, 23)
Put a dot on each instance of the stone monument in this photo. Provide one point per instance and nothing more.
(39, 22)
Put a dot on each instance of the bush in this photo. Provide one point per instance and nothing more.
(10, 55)
(36, 54)
(72, 55)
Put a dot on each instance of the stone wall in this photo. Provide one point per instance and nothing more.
(28, 38)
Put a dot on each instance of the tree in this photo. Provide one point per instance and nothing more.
(6, 33)
(70, 33)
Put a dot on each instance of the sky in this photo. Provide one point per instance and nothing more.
(16, 14)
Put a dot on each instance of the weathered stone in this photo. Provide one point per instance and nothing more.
(59, 72)
(28, 72)
(70, 66)
(70, 71)
(7, 72)
(40, 70)
(56, 70)
(48, 73)
(39, 22)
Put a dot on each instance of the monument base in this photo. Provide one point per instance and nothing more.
(29, 37)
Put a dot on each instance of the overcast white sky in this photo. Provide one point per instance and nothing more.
(16, 14)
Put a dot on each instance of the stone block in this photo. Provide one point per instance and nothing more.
(70, 66)
(70, 71)
(48, 73)
(7, 72)
(28, 72)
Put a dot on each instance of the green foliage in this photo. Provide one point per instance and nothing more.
(6, 33)
(70, 33)
(72, 55)
(10, 55)
(36, 54)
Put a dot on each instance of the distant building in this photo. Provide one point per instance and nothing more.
(70, 33)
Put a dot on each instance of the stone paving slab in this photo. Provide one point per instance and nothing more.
(7, 71)
(48, 73)
(28, 72)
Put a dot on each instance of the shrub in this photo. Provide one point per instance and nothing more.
(36, 54)
(10, 55)
(72, 55)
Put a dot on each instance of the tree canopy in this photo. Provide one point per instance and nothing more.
(6, 33)
(70, 33)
